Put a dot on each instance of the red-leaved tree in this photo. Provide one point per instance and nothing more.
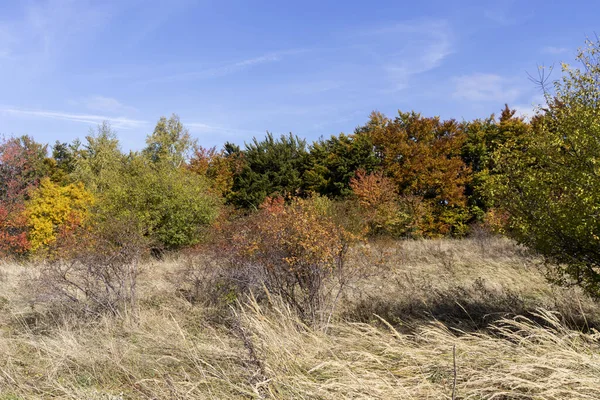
(22, 164)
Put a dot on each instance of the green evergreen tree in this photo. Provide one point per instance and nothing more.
(270, 167)
(333, 162)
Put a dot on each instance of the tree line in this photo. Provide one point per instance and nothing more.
(411, 176)
(406, 176)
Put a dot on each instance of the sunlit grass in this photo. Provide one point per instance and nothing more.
(260, 349)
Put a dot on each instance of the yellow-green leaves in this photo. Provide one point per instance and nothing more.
(166, 204)
(549, 184)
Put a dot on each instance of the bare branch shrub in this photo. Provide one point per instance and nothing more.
(207, 276)
(96, 274)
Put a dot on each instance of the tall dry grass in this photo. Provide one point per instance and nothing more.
(466, 283)
(173, 349)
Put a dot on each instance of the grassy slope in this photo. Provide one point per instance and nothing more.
(435, 295)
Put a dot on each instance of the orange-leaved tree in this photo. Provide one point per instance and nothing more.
(377, 202)
(423, 158)
(218, 166)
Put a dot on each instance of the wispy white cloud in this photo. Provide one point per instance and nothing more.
(117, 122)
(481, 87)
(36, 38)
(555, 50)
(223, 69)
(105, 104)
(416, 47)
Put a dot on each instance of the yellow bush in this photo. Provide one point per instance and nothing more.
(54, 210)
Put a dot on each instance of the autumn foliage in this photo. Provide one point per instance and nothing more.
(22, 164)
(13, 238)
(297, 248)
(217, 166)
(54, 211)
(408, 176)
(377, 200)
(423, 158)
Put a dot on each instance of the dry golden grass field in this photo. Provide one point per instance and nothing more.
(392, 336)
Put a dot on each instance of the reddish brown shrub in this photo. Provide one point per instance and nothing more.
(295, 250)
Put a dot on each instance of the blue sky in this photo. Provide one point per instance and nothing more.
(235, 69)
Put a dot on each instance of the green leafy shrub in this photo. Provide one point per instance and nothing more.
(168, 205)
(550, 184)
(483, 139)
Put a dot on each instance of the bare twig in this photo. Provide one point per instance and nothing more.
(543, 77)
